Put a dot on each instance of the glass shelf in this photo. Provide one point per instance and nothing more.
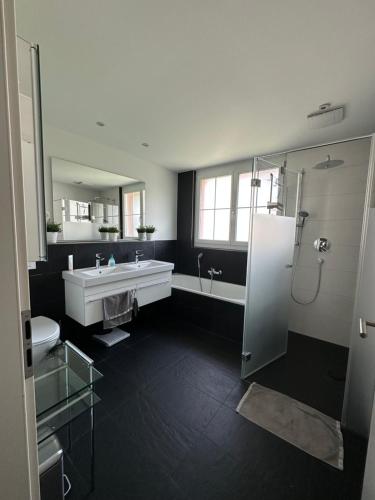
(63, 388)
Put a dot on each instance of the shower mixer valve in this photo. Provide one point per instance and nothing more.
(322, 244)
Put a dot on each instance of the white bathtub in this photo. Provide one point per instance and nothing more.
(220, 290)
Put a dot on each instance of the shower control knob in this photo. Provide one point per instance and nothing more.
(322, 244)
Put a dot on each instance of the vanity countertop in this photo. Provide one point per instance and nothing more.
(91, 276)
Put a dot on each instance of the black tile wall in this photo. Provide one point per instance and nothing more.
(46, 283)
(232, 263)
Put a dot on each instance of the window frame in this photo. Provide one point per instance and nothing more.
(212, 172)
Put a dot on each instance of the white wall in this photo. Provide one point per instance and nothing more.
(161, 183)
(334, 199)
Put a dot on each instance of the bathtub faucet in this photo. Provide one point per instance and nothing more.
(213, 272)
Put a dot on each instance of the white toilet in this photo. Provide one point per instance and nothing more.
(45, 334)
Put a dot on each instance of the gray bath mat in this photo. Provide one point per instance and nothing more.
(304, 427)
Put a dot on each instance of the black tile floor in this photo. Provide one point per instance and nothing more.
(167, 428)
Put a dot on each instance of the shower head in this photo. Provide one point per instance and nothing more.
(328, 163)
(200, 255)
(303, 214)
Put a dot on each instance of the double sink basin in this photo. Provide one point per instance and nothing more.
(105, 274)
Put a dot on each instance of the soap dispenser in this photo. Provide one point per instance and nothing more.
(111, 261)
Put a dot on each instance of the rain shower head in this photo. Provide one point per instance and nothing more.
(328, 163)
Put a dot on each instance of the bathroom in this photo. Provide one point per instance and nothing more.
(192, 277)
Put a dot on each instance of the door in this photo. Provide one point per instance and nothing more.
(269, 270)
(18, 448)
(360, 385)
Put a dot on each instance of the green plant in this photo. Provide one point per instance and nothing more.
(141, 229)
(53, 228)
(150, 229)
(103, 229)
(112, 229)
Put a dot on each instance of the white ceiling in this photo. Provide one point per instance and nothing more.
(69, 172)
(203, 81)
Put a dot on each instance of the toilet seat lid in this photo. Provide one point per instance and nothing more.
(43, 329)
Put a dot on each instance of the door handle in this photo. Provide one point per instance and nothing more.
(363, 324)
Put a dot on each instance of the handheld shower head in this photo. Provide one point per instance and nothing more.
(200, 255)
(303, 214)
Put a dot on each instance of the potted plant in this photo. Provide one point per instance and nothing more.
(150, 231)
(141, 230)
(113, 233)
(53, 231)
(103, 230)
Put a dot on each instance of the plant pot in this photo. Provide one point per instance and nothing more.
(141, 236)
(149, 236)
(113, 236)
(104, 236)
(52, 237)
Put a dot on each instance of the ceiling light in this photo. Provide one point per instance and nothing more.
(145, 144)
(100, 124)
(326, 115)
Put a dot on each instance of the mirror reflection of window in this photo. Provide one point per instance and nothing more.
(95, 197)
(134, 208)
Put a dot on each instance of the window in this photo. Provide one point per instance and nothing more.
(134, 203)
(223, 207)
(223, 203)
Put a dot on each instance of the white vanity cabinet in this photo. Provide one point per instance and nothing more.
(86, 288)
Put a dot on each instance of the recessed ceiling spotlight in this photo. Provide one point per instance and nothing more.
(100, 124)
(145, 144)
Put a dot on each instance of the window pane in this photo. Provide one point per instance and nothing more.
(207, 193)
(222, 220)
(132, 203)
(206, 224)
(244, 189)
(268, 177)
(223, 191)
(243, 220)
(131, 224)
(136, 202)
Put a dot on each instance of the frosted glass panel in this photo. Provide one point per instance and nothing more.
(268, 294)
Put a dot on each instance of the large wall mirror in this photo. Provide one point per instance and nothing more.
(87, 199)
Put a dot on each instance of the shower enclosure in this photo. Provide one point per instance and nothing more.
(274, 204)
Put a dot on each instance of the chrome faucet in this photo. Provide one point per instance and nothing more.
(212, 272)
(98, 260)
(138, 253)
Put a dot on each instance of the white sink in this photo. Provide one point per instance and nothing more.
(100, 272)
(91, 277)
(140, 265)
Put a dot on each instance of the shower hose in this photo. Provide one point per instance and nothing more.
(307, 302)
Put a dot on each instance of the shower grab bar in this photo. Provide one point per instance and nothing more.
(122, 290)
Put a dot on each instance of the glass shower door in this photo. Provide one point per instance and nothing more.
(269, 269)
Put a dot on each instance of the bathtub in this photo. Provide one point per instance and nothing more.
(220, 290)
(220, 312)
